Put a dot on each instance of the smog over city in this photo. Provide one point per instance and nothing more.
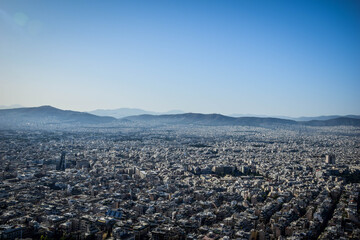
(180, 120)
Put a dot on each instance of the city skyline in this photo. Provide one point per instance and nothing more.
(297, 58)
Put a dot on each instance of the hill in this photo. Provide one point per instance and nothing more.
(221, 120)
(322, 118)
(46, 115)
(340, 121)
(126, 112)
(209, 119)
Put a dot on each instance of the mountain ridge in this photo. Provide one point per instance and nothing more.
(126, 112)
(10, 106)
(48, 115)
(218, 119)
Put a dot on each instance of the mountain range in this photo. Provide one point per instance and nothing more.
(218, 119)
(45, 116)
(126, 112)
(297, 118)
(10, 106)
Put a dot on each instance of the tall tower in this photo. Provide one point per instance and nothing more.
(330, 159)
(62, 163)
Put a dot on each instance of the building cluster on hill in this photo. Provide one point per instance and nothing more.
(186, 183)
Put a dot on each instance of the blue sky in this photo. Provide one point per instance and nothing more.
(294, 58)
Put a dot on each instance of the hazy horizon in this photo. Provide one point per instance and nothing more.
(278, 58)
(176, 111)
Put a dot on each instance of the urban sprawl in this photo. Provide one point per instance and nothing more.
(187, 182)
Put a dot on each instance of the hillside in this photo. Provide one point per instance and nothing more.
(209, 119)
(126, 112)
(221, 120)
(46, 115)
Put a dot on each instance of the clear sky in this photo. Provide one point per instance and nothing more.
(294, 58)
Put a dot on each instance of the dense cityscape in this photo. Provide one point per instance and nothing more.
(180, 120)
(183, 182)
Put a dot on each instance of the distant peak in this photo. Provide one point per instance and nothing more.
(46, 107)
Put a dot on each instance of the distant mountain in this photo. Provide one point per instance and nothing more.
(260, 116)
(209, 119)
(218, 119)
(10, 106)
(120, 113)
(47, 115)
(297, 118)
(125, 112)
(341, 121)
(325, 117)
